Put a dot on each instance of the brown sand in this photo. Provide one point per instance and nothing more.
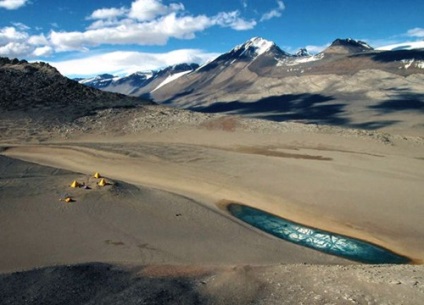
(163, 207)
(358, 187)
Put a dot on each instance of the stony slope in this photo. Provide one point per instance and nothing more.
(286, 284)
(38, 91)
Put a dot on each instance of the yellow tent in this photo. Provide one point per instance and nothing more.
(67, 199)
(75, 184)
(102, 182)
(97, 175)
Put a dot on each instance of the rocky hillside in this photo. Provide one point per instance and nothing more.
(348, 84)
(259, 69)
(37, 90)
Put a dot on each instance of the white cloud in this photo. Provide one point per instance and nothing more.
(68, 41)
(43, 51)
(180, 27)
(21, 26)
(145, 22)
(107, 23)
(15, 49)
(275, 12)
(12, 4)
(144, 10)
(233, 20)
(37, 40)
(16, 43)
(11, 34)
(148, 22)
(126, 62)
(156, 32)
(416, 32)
(108, 13)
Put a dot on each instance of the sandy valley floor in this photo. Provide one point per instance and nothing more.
(162, 219)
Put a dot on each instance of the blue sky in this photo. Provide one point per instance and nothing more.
(84, 38)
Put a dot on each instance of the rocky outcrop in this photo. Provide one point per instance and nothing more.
(39, 90)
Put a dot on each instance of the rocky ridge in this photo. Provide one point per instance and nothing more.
(39, 91)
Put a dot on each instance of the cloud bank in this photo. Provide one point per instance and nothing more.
(127, 62)
(145, 22)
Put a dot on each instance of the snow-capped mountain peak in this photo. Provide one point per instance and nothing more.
(254, 47)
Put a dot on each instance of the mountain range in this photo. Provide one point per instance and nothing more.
(259, 79)
(139, 83)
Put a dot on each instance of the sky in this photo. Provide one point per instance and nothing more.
(91, 37)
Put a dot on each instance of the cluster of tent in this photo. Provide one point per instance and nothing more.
(76, 184)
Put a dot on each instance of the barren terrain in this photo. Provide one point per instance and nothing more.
(159, 232)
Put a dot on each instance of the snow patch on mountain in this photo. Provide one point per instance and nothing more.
(294, 61)
(99, 79)
(412, 62)
(171, 78)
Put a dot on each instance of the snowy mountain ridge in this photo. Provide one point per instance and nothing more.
(132, 84)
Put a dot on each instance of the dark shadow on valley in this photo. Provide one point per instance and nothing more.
(308, 107)
(406, 102)
(305, 108)
(96, 283)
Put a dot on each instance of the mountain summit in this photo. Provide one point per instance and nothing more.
(347, 46)
(248, 52)
(254, 47)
